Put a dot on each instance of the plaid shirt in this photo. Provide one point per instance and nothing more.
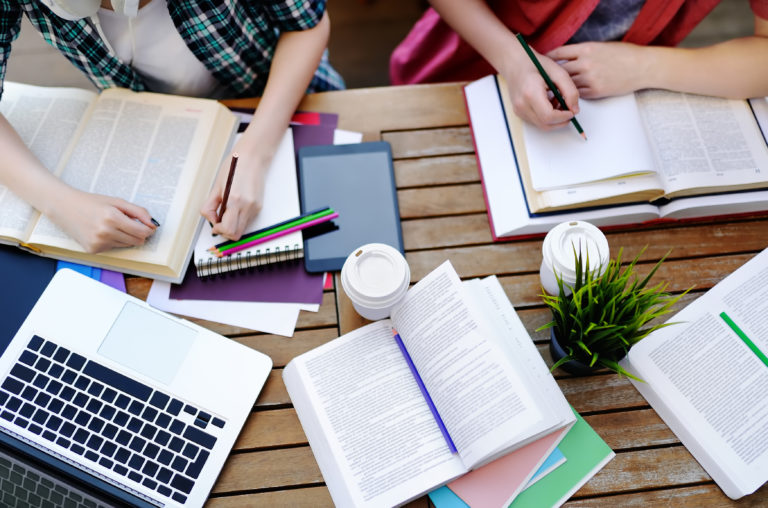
(234, 39)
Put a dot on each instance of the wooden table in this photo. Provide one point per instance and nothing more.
(444, 217)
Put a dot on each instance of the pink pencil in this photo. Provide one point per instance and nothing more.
(298, 227)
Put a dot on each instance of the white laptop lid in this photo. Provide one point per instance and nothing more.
(129, 380)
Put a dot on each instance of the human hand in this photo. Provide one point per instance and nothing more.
(99, 223)
(603, 69)
(246, 195)
(531, 98)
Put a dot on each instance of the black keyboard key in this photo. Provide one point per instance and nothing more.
(23, 372)
(95, 389)
(35, 342)
(67, 393)
(109, 448)
(123, 437)
(55, 371)
(75, 362)
(134, 476)
(42, 364)
(190, 409)
(196, 467)
(55, 406)
(36, 429)
(29, 393)
(121, 470)
(117, 380)
(179, 464)
(61, 355)
(136, 461)
(82, 418)
(96, 424)
(149, 414)
(150, 468)
(50, 436)
(13, 385)
(121, 418)
(63, 442)
(108, 395)
(94, 405)
(42, 399)
(164, 475)
(165, 457)
(95, 442)
(163, 421)
(204, 416)
(40, 416)
(14, 404)
(91, 456)
(159, 400)
(135, 408)
(190, 451)
(69, 412)
(54, 422)
(81, 436)
(80, 400)
(28, 358)
(175, 406)
(134, 425)
(82, 382)
(76, 448)
(151, 450)
(179, 497)
(137, 444)
(163, 490)
(67, 429)
(148, 431)
(177, 426)
(200, 423)
(41, 380)
(107, 412)
(122, 455)
(54, 387)
(198, 436)
(176, 444)
(183, 484)
(162, 438)
(7, 415)
(69, 376)
(109, 431)
(150, 483)
(106, 462)
(48, 348)
(21, 422)
(122, 401)
(27, 410)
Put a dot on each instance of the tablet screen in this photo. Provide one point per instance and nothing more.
(358, 182)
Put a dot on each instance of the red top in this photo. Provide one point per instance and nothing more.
(433, 52)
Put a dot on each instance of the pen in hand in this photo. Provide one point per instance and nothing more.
(550, 84)
(228, 186)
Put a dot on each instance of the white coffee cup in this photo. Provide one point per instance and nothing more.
(558, 253)
(375, 277)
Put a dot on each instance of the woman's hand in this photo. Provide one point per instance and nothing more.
(99, 223)
(604, 69)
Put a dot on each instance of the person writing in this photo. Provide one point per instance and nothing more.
(589, 48)
(275, 49)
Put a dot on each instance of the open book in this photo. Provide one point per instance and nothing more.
(707, 377)
(369, 425)
(707, 154)
(158, 151)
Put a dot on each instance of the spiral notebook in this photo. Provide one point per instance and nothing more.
(281, 202)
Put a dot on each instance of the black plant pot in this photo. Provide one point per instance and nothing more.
(574, 367)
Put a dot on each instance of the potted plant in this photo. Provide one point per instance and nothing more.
(604, 315)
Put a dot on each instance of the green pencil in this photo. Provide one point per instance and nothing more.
(550, 83)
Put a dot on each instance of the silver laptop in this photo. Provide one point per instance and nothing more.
(104, 398)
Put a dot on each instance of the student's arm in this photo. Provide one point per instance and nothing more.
(474, 21)
(296, 58)
(736, 68)
(96, 222)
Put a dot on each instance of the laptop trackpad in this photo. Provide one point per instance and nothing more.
(148, 342)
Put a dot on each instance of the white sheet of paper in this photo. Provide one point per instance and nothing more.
(616, 145)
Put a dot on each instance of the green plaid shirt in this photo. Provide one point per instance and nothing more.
(234, 39)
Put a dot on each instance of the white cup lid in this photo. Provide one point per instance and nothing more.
(375, 275)
(560, 242)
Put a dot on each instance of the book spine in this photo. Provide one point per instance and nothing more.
(253, 258)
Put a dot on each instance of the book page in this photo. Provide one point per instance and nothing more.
(145, 148)
(707, 372)
(369, 427)
(703, 142)
(481, 397)
(46, 119)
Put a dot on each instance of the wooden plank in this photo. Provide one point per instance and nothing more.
(309, 497)
(283, 349)
(708, 495)
(274, 392)
(269, 429)
(268, 469)
(429, 171)
(632, 429)
(605, 392)
(426, 143)
(387, 108)
(446, 231)
(441, 201)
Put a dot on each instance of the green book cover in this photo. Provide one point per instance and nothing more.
(586, 454)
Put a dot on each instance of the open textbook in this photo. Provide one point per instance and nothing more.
(158, 151)
(369, 425)
(707, 154)
(707, 377)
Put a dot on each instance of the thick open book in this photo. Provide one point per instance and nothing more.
(369, 425)
(707, 154)
(707, 377)
(158, 151)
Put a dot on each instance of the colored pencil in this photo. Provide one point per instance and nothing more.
(228, 186)
(550, 84)
(297, 227)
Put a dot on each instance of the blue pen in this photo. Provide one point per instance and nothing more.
(424, 392)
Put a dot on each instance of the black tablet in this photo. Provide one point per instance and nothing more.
(358, 182)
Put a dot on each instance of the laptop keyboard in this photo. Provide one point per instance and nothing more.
(108, 418)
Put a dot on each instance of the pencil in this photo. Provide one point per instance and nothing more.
(228, 186)
(550, 83)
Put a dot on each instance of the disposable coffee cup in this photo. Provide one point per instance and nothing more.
(561, 246)
(375, 277)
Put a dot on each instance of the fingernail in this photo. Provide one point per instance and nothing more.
(157, 224)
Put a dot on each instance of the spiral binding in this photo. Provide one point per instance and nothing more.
(248, 260)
